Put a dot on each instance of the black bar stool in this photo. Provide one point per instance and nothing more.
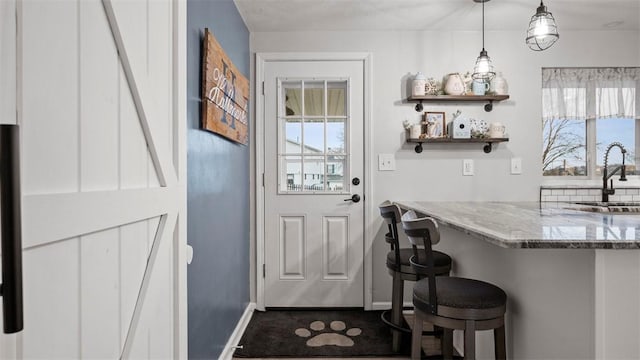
(400, 269)
(451, 302)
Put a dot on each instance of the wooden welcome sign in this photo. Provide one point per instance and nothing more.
(225, 93)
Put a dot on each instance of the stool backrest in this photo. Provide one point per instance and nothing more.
(392, 214)
(423, 233)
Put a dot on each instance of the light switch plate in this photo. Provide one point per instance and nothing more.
(516, 166)
(386, 162)
(467, 167)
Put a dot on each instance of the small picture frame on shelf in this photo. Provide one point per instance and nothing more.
(434, 124)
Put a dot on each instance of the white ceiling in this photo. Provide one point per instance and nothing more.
(328, 15)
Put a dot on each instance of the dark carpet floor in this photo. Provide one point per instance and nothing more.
(316, 333)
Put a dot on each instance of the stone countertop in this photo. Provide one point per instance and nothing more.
(535, 225)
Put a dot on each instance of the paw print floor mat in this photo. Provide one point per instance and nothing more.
(317, 333)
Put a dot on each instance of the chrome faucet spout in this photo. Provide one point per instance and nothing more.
(606, 191)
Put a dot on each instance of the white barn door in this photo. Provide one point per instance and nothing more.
(100, 102)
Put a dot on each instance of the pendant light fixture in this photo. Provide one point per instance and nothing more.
(542, 32)
(483, 70)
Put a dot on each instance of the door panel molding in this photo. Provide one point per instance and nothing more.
(260, 62)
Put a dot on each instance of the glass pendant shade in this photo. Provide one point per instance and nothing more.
(483, 70)
(542, 32)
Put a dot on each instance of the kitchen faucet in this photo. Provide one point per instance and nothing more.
(605, 175)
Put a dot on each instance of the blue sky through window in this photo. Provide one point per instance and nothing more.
(314, 138)
(611, 130)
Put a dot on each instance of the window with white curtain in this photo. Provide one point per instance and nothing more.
(583, 111)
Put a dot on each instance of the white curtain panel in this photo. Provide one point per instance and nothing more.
(591, 93)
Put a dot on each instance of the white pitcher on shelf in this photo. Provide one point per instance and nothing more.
(454, 85)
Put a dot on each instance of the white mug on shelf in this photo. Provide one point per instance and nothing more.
(480, 87)
(496, 130)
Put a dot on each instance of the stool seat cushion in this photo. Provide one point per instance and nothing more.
(459, 293)
(440, 259)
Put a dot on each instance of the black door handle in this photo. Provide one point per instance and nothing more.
(355, 198)
(11, 226)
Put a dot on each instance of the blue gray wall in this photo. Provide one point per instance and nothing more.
(218, 193)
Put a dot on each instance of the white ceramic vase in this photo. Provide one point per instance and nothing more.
(499, 85)
(455, 85)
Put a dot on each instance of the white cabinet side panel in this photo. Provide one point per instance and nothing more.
(50, 104)
(100, 290)
(98, 100)
(617, 317)
(51, 272)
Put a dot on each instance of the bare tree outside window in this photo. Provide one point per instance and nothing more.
(564, 147)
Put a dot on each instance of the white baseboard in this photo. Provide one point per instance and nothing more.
(386, 305)
(234, 339)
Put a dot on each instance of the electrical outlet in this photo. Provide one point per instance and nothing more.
(516, 166)
(386, 162)
(467, 167)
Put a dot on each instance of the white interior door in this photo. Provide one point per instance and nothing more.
(313, 155)
(101, 118)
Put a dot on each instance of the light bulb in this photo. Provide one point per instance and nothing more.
(541, 28)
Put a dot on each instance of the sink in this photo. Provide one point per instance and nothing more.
(609, 207)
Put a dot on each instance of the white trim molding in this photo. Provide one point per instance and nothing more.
(236, 335)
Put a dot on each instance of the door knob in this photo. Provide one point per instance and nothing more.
(355, 198)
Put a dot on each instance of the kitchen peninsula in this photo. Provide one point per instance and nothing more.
(572, 277)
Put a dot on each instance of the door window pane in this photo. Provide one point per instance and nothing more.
(314, 98)
(292, 98)
(292, 168)
(293, 136)
(314, 136)
(335, 173)
(612, 130)
(335, 136)
(564, 148)
(313, 173)
(336, 99)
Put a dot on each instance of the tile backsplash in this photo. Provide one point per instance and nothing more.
(571, 194)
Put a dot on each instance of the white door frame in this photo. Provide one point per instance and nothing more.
(261, 60)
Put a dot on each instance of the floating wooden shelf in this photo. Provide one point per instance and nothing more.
(457, 98)
(487, 148)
